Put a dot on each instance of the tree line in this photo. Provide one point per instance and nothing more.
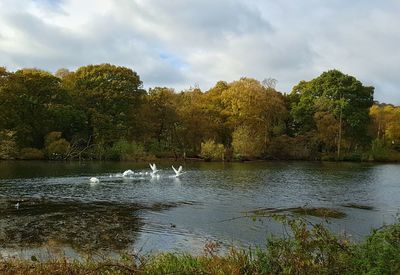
(103, 112)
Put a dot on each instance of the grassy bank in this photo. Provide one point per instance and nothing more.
(307, 249)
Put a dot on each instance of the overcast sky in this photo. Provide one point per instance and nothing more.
(184, 43)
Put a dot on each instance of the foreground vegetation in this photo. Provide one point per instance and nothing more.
(309, 249)
(103, 112)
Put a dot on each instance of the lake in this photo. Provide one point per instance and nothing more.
(59, 210)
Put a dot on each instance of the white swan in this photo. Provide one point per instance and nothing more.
(94, 180)
(153, 168)
(17, 205)
(128, 173)
(178, 172)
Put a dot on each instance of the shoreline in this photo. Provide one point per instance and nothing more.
(308, 249)
(196, 160)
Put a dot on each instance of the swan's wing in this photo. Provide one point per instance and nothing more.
(152, 166)
(176, 172)
(127, 173)
(180, 169)
(155, 167)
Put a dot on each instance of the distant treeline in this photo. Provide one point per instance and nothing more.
(103, 112)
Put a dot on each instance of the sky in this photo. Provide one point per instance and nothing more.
(182, 43)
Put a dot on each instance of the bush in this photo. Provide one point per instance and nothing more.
(58, 149)
(124, 150)
(356, 156)
(160, 149)
(31, 154)
(285, 147)
(394, 156)
(379, 150)
(8, 146)
(380, 253)
(308, 249)
(212, 151)
(247, 143)
(52, 137)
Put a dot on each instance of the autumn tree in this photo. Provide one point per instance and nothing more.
(160, 117)
(255, 108)
(385, 124)
(215, 110)
(195, 126)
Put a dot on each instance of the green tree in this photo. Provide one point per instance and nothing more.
(110, 96)
(33, 103)
(342, 96)
(161, 115)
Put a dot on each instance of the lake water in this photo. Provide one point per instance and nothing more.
(211, 202)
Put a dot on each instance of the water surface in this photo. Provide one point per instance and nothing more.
(58, 207)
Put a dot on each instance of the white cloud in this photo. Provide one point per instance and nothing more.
(179, 43)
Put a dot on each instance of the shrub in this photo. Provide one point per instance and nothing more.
(247, 143)
(160, 149)
(285, 147)
(124, 150)
(212, 151)
(8, 145)
(307, 249)
(379, 150)
(355, 156)
(52, 137)
(58, 149)
(380, 253)
(31, 154)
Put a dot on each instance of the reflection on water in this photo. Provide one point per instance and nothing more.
(82, 226)
(85, 227)
(58, 205)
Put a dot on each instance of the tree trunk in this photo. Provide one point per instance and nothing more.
(340, 134)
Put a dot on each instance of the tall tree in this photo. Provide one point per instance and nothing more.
(111, 97)
(215, 111)
(385, 124)
(342, 96)
(160, 115)
(33, 103)
(248, 103)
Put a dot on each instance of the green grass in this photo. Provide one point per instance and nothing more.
(308, 249)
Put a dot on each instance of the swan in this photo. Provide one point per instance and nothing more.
(94, 180)
(178, 172)
(153, 168)
(128, 173)
(17, 205)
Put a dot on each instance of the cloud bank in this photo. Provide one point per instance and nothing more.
(182, 43)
